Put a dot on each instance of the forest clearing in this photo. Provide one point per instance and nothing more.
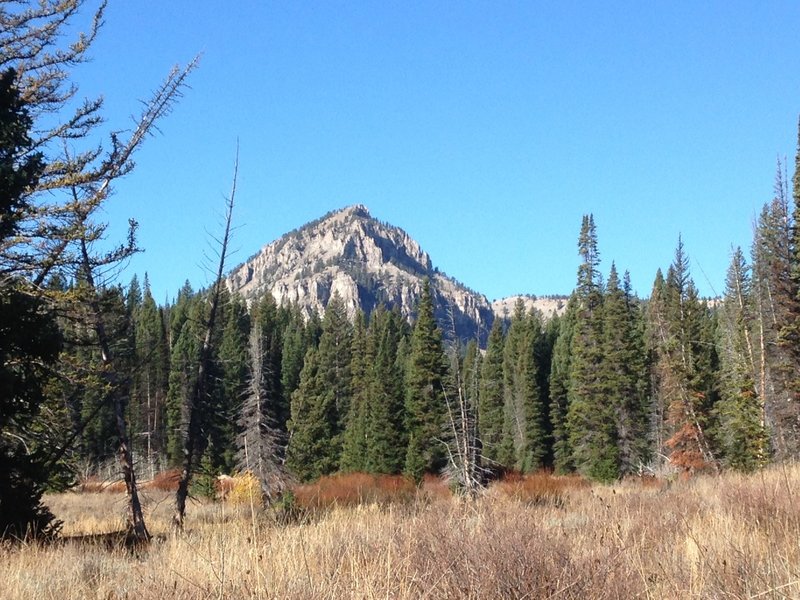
(728, 536)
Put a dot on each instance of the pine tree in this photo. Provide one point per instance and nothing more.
(310, 453)
(525, 430)
(321, 403)
(354, 440)
(272, 322)
(741, 433)
(590, 416)
(491, 398)
(559, 389)
(150, 379)
(625, 373)
(386, 436)
(773, 295)
(685, 367)
(295, 346)
(424, 401)
(234, 370)
(182, 370)
(29, 336)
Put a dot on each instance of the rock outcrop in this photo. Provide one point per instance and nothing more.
(368, 263)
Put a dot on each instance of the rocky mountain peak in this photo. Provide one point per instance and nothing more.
(367, 262)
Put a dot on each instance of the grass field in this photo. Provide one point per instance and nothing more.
(360, 537)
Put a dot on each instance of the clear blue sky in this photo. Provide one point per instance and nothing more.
(484, 129)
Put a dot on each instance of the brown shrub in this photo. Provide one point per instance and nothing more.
(165, 481)
(95, 485)
(537, 488)
(350, 489)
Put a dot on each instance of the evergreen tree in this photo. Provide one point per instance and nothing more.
(321, 403)
(182, 371)
(309, 454)
(296, 344)
(273, 322)
(741, 433)
(525, 431)
(386, 436)
(491, 397)
(354, 441)
(685, 367)
(29, 337)
(234, 368)
(625, 373)
(151, 378)
(773, 298)
(424, 401)
(590, 416)
(559, 388)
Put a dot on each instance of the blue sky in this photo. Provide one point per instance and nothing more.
(484, 129)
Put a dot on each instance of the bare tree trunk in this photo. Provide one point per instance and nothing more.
(189, 411)
(137, 529)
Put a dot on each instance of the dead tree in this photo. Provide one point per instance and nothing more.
(190, 418)
(260, 449)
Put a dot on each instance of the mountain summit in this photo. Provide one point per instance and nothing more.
(368, 263)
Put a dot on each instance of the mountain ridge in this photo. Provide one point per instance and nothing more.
(367, 262)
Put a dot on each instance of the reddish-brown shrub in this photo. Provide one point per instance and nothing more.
(165, 481)
(541, 487)
(95, 485)
(349, 489)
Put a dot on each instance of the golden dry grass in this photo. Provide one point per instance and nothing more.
(726, 537)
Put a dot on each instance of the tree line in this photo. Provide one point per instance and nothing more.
(614, 386)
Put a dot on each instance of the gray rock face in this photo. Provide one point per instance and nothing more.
(368, 263)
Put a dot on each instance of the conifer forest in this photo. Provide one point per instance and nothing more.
(98, 376)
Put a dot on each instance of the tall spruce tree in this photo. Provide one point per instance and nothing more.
(386, 435)
(524, 444)
(150, 379)
(491, 398)
(685, 367)
(772, 288)
(424, 401)
(624, 372)
(590, 416)
(261, 443)
(321, 403)
(559, 388)
(354, 440)
(741, 432)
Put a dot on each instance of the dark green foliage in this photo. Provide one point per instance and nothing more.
(311, 427)
(386, 436)
(491, 399)
(296, 342)
(150, 378)
(183, 371)
(424, 401)
(321, 403)
(29, 337)
(524, 443)
(354, 441)
(559, 389)
(740, 433)
(774, 300)
(625, 373)
(590, 415)
(20, 169)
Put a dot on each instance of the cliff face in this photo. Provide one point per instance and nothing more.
(368, 263)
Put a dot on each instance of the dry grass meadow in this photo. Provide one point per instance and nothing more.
(363, 537)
